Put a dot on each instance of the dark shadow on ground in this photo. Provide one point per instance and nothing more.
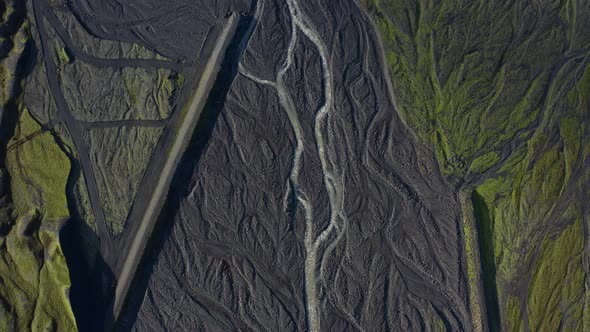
(15, 19)
(91, 278)
(8, 118)
(488, 262)
(181, 181)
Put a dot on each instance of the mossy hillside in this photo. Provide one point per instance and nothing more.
(7, 13)
(484, 162)
(500, 89)
(33, 273)
(33, 270)
(468, 89)
(19, 265)
(53, 308)
(38, 168)
(555, 292)
(34, 279)
(8, 64)
(5, 82)
(530, 187)
(573, 128)
(519, 203)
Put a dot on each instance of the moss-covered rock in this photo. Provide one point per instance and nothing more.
(39, 170)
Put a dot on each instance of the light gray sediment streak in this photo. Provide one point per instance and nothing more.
(333, 184)
(187, 126)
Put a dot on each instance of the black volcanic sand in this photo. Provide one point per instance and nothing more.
(93, 272)
(233, 251)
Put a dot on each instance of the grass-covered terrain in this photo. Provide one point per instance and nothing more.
(38, 168)
(472, 258)
(34, 278)
(554, 294)
(33, 269)
(501, 90)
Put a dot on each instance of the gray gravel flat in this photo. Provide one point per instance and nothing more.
(184, 133)
(313, 207)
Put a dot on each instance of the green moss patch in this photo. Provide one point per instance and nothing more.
(558, 282)
(483, 163)
(39, 170)
(514, 315)
(501, 91)
(34, 278)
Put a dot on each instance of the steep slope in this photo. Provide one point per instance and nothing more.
(34, 277)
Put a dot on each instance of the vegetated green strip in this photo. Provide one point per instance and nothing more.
(514, 314)
(473, 265)
(486, 250)
(505, 108)
(554, 292)
(438, 325)
(33, 272)
(483, 163)
(62, 55)
(525, 195)
(38, 168)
